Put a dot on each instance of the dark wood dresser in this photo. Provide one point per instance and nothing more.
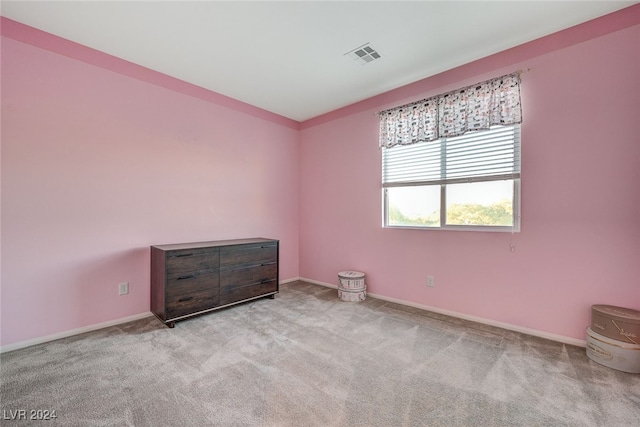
(194, 278)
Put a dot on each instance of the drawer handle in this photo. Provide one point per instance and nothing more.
(189, 276)
(185, 299)
(182, 255)
(267, 263)
(266, 281)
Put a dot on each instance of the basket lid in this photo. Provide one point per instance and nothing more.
(351, 274)
(621, 313)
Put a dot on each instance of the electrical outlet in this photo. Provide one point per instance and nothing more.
(123, 288)
(430, 282)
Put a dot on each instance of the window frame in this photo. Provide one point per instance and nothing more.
(443, 182)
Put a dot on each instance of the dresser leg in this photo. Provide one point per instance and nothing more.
(272, 296)
(171, 324)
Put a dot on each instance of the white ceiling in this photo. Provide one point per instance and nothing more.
(288, 57)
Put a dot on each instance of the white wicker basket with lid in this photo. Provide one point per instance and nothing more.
(351, 280)
(351, 287)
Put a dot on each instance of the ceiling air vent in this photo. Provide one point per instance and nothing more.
(363, 54)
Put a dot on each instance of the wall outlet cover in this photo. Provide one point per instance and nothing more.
(123, 288)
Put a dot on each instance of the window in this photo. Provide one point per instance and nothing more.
(469, 182)
(452, 161)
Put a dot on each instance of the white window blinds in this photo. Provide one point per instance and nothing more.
(475, 156)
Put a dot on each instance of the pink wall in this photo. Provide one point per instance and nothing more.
(97, 166)
(580, 238)
(102, 158)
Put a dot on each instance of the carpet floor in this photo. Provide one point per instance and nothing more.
(308, 359)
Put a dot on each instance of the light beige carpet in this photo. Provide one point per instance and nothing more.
(309, 359)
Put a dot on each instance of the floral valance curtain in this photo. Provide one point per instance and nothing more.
(476, 107)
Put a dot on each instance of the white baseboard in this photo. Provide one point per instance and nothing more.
(95, 327)
(507, 326)
(28, 343)
(503, 325)
(317, 282)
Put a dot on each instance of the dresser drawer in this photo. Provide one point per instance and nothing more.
(231, 294)
(188, 283)
(230, 277)
(189, 261)
(182, 305)
(254, 253)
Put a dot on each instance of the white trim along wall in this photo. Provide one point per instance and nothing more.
(507, 326)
